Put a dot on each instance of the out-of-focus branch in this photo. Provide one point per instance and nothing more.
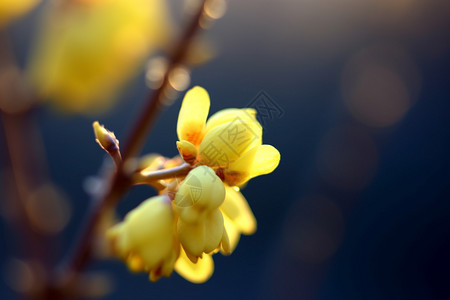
(26, 156)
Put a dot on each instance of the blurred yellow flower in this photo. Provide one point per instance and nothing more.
(145, 238)
(13, 9)
(87, 50)
(198, 272)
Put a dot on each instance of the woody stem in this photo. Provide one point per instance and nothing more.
(178, 171)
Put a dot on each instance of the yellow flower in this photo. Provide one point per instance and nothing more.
(87, 50)
(13, 9)
(230, 141)
(200, 223)
(208, 214)
(145, 238)
(238, 217)
(198, 272)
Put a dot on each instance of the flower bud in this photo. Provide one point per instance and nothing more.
(197, 272)
(105, 138)
(201, 192)
(145, 238)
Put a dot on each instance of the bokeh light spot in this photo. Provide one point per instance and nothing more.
(314, 230)
(379, 85)
(48, 209)
(347, 158)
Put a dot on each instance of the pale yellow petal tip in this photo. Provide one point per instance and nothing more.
(198, 90)
(274, 157)
(198, 272)
(251, 228)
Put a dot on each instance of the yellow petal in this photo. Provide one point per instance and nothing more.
(233, 234)
(198, 272)
(259, 160)
(237, 210)
(192, 237)
(266, 160)
(224, 144)
(201, 237)
(227, 115)
(225, 244)
(187, 151)
(213, 230)
(193, 113)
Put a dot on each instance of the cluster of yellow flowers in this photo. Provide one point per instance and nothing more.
(207, 213)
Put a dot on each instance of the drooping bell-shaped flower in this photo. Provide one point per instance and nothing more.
(145, 238)
(200, 223)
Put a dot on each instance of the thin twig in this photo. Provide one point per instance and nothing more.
(121, 182)
(179, 171)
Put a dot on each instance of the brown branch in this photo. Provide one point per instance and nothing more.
(121, 182)
(179, 171)
(27, 159)
(140, 131)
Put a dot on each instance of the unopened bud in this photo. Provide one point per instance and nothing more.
(105, 138)
(187, 151)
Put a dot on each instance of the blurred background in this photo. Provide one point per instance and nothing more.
(356, 97)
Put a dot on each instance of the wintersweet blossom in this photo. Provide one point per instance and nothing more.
(230, 142)
(13, 9)
(208, 213)
(86, 50)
